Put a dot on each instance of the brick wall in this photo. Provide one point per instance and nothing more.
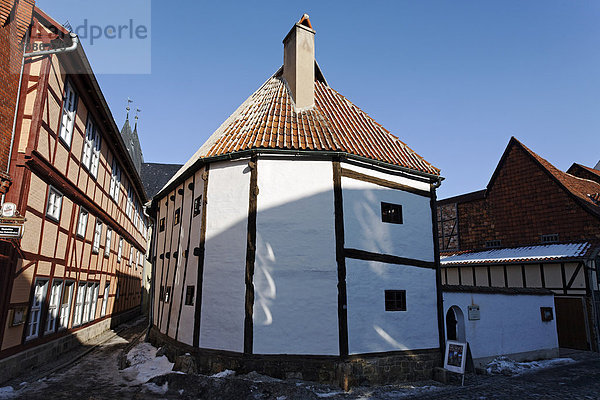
(522, 204)
(15, 17)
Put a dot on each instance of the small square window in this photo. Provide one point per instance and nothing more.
(161, 225)
(391, 213)
(395, 300)
(189, 296)
(167, 294)
(547, 314)
(552, 238)
(161, 295)
(177, 216)
(493, 244)
(197, 205)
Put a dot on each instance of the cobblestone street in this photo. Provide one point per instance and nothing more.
(95, 374)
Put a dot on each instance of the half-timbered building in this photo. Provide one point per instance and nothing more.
(299, 239)
(78, 266)
(534, 226)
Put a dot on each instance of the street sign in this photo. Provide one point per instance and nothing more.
(11, 231)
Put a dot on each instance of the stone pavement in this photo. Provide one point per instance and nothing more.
(93, 373)
(580, 380)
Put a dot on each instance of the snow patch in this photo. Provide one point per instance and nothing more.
(328, 394)
(154, 388)
(223, 374)
(144, 364)
(7, 392)
(505, 366)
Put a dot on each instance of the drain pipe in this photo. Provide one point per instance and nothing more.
(72, 47)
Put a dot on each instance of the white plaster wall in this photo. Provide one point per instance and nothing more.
(388, 176)
(224, 289)
(372, 329)
(186, 324)
(509, 323)
(295, 275)
(364, 230)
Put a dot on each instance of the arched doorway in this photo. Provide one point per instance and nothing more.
(455, 324)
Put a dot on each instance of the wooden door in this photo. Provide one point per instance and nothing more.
(570, 323)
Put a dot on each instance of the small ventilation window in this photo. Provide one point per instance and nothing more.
(161, 225)
(189, 296)
(167, 294)
(391, 213)
(493, 244)
(395, 300)
(177, 216)
(552, 238)
(197, 205)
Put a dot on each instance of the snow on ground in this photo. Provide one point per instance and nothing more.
(7, 392)
(223, 374)
(506, 366)
(144, 364)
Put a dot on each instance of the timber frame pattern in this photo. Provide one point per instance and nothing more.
(341, 251)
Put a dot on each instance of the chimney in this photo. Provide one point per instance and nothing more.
(299, 62)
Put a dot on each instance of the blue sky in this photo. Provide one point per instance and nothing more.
(453, 79)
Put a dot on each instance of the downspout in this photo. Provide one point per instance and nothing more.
(72, 47)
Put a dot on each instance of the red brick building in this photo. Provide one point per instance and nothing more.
(15, 20)
(533, 226)
(77, 269)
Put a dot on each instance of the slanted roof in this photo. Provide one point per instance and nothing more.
(540, 253)
(584, 172)
(269, 120)
(581, 190)
(155, 175)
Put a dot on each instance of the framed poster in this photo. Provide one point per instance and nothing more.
(455, 356)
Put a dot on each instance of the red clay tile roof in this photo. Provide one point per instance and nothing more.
(268, 120)
(582, 189)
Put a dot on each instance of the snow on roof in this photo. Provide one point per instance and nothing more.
(519, 254)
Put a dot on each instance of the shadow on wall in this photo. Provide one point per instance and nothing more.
(295, 272)
(41, 338)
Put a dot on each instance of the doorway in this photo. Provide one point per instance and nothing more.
(455, 324)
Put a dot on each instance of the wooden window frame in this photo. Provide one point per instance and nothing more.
(391, 213)
(197, 205)
(67, 128)
(57, 195)
(65, 307)
(395, 300)
(97, 236)
(54, 303)
(189, 295)
(36, 308)
(82, 211)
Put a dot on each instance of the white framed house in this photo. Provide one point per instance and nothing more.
(299, 238)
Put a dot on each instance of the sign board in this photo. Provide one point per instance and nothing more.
(455, 356)
(474, 312)
(9, 210)
(11, 231)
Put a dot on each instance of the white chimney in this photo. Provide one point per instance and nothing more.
(299, 63)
